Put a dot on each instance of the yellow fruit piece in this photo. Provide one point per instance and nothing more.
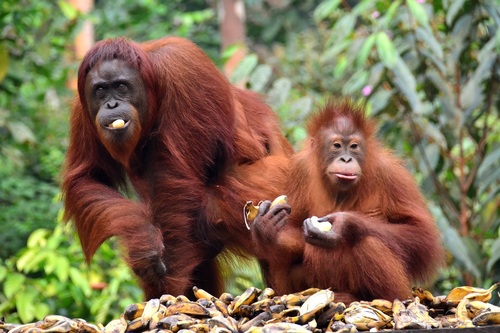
(323, 226)
(282, 199)
(250, 211)
(118, 123)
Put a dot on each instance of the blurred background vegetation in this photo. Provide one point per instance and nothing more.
(428, 71)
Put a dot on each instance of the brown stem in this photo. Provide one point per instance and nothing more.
(441, 190)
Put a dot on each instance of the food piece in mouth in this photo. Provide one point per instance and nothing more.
(118, 123)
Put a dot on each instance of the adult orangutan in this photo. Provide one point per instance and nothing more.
(161, 117)
(375, 236)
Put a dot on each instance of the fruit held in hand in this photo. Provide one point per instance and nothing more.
(323, 226)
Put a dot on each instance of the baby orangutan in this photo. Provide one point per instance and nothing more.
(374, 236)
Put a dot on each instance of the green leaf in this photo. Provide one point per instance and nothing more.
(68, 10)
(13, 283)
(36, 262)
(454, 243)
(434, 135)
(453, 10)
(80, 281)
(340, 66)
(325, 9)
(244, 68)
(41, 310)
(38, 238)
(20, 132)
(379, 100)
(279, 92)
(472, 94)
(386, 50)
(407, 84)
(330, 54)
(365, 50)
(4, 61)
(3, 272)
(492, 160)
(301, 107)
(25, 259)
(461, 30)
(260, 77)
(62, 268)
(356, 83)
(229, 51)
(25, 301)
(388, 17)
(418, 12)
(428, 39)
(299, 133)
(363, 7)
(344, 26)
(495, 255)
(433, 153)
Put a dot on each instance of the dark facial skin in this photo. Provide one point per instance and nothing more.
(343, 154)
(114, 90)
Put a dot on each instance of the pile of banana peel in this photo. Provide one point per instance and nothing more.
(312, 310)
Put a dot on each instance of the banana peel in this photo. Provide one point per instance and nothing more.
(471, 293)
(487, 318)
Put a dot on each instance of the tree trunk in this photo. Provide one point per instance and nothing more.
(232, 30)
(85, 38)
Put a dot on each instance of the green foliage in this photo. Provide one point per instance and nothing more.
(190, 19)
(50, 276)
(430, 74)
(32, 89)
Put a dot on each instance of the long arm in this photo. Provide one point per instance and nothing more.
(99, 211)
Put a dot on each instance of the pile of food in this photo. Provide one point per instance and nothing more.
(312, 310)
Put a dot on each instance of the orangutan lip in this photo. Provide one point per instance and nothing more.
(349, 176)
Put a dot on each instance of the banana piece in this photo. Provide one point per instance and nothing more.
(118, 123)
(282, 199)
(383, 305)
(323, 226)
(192, 309)
(226, 298)
(201, 294)
(247, 298)
(134, 311)
(116, 326)
(152, 306)
(250, 211)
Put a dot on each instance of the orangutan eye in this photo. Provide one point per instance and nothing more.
(99, 91)
(354, 145)
(337, 145)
